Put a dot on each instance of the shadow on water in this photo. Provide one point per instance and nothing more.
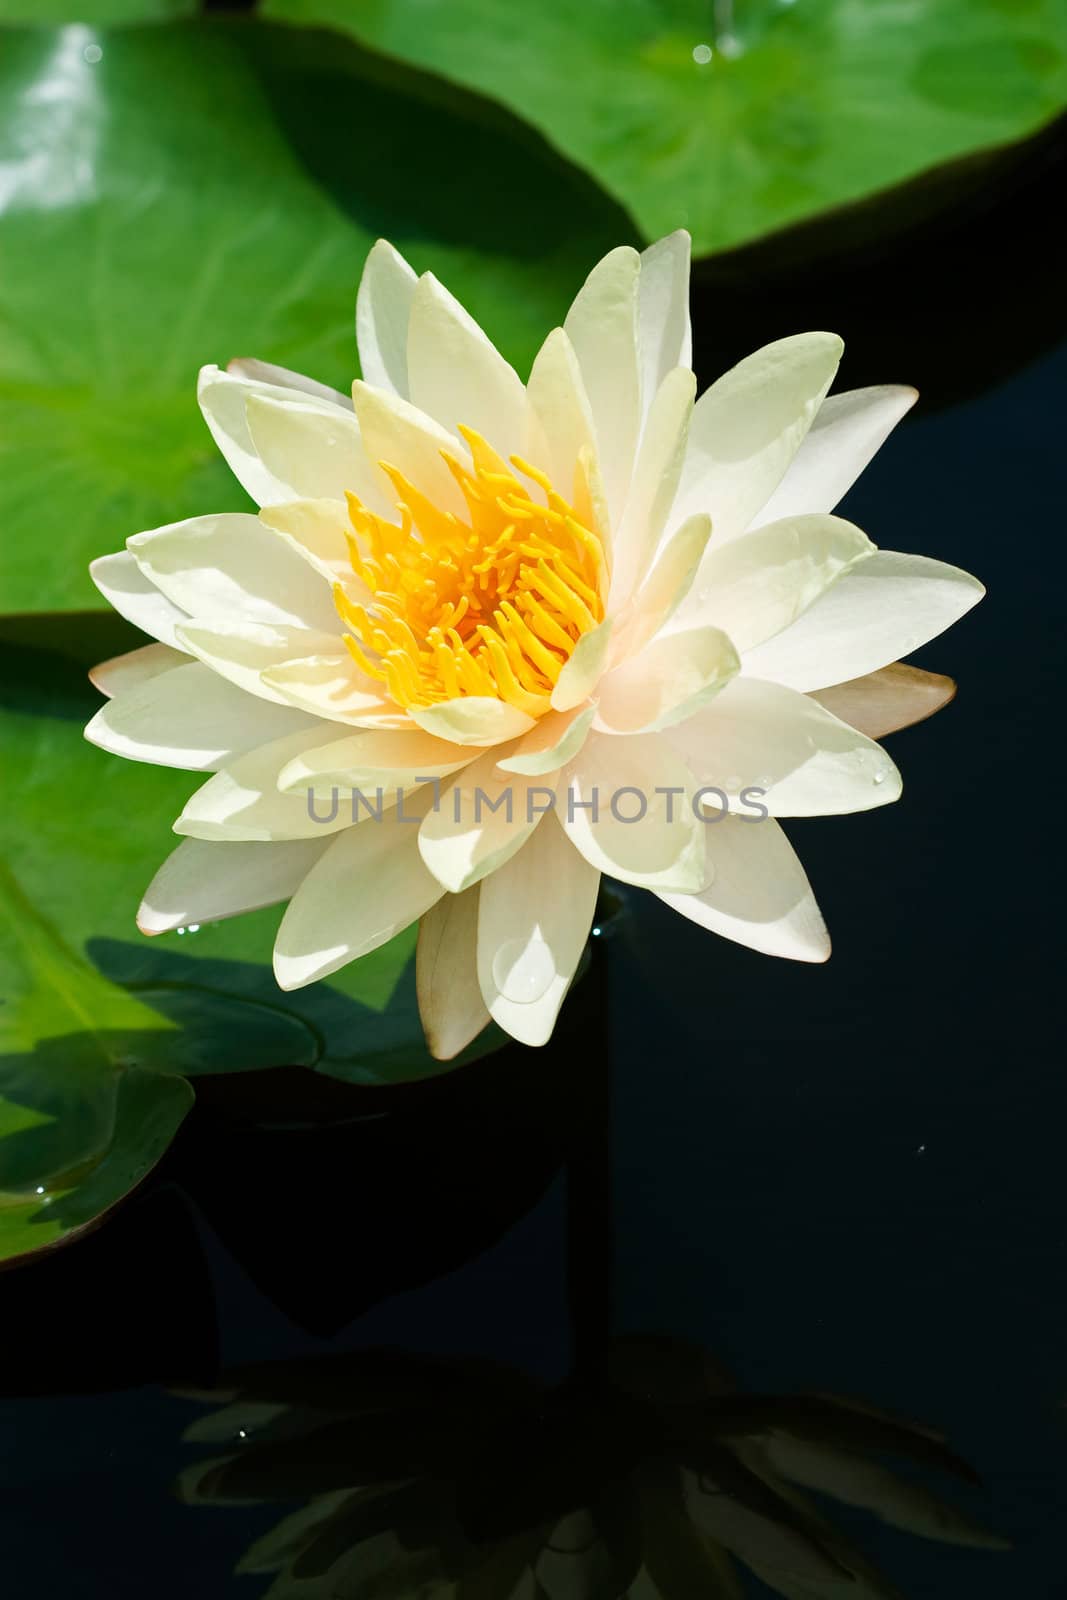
(952, 282)
(357, 144)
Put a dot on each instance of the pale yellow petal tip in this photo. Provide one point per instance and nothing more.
(288, 981)
(441, 1048)
(147, 927)
(100, 564)
(91, 731)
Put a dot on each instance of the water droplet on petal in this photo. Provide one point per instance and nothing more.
(879, 776)
(523, 970)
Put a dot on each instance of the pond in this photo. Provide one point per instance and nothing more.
(763, 1258)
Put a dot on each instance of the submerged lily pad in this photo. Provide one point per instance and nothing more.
(181, 194)
(146, 1111)
(738, 117)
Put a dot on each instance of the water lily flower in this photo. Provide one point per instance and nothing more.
(486, 640)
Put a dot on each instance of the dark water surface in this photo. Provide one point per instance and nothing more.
(845, 1180)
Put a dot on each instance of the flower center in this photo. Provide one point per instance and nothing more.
(489, 604)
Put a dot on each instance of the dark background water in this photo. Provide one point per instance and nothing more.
(845, 1179)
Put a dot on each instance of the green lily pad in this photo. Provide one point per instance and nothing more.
(81, 835)
(147, 1109)
(83, 14)
(209, 190)
(736, 118)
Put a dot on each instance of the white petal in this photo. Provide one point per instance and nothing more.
(748, 426)
(799, 760)
(189, 718)
(534, 917)
(482, 818)
(885, 701)
(556, 739)
(129, 671)
(286, 378)
(561, 410)
(123, 584)
(369, 885)
(230, 567)
(657, 599)
(655, 480)
(581, 674)
(333, 687)
(885, 609)
(223, 397)
(312, 452)
(383, 306)
(472, 720)
(847, 431)
(405, 438)
(759, 583)
(760, 895)
(205, 881)
(602, 327)
(615, 809)
(664, 338)
(320, 527)
(668, 680)
(242, 651)
(243, 800)
(456, 374)
(371, 758)
(446, 975)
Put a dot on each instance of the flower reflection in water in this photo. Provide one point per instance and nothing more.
(428, 1479)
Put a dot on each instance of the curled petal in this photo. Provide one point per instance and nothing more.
(446, 975)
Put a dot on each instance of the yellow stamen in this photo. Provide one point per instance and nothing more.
(491, 605)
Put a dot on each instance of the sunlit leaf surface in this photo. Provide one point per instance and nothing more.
(176, 195)
(737, 117)
(99, 13)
